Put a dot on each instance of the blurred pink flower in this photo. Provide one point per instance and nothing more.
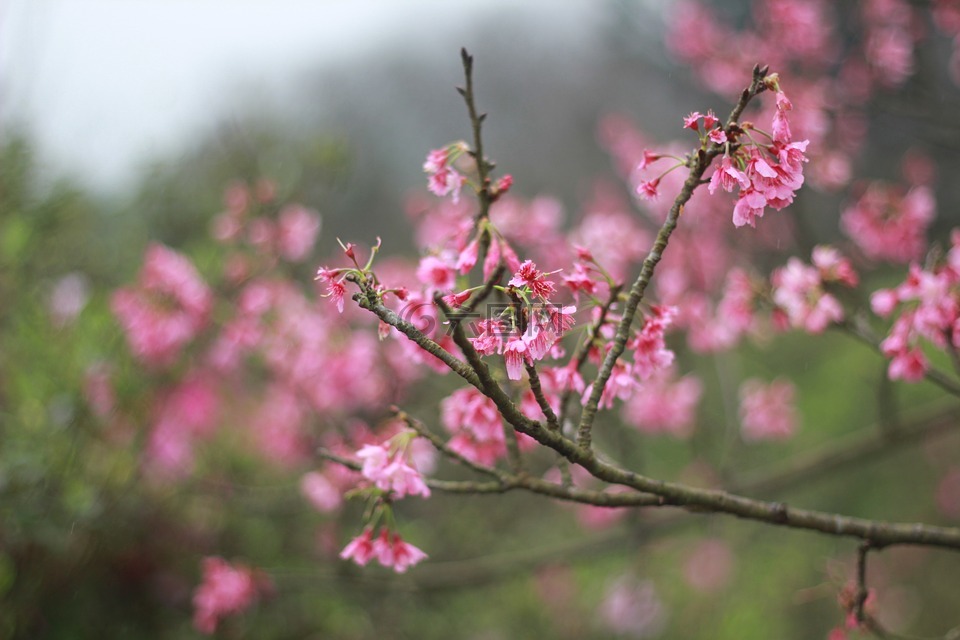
(709, 566)
(767, 411)
(297, 229)
(632, 607)
(168, 307)
(225, 590)
(321, 493)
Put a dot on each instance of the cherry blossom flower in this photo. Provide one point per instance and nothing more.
(404, 554)
(728, 176)
(321, 493)
(225, 590)
(391, 472)
(767, 411)
(581, 280)
(887, 224)
(361, 549)
(527, 275)
(649, 157)
(167, 308)
(709, 566)
(664, 405)
(798, 291)
(442, 178)
(632, 607)
(437, 273)
(648, 189)
(297, 229)
(515, 355)
(691, 121)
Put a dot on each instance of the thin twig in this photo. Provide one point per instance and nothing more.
(537, 389)
(584, 351)
(698, 166)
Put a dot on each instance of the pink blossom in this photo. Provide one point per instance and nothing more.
(884, 301)
(889, 225)
(69, 296)
(436, 160)
(475, 422)
(515, 355)
(361, 549)
(336, 290)
(633, 607)
(297, 229)
(728, 176)
(167, 309)
(767, 411)
(503, 185)
(446, 181)
(648, 189)
(490, 338)
(718, 136)
(581, 280)
(622, 384)
(691, 120)
(833, 266)
(225, 590)
(664, 405)
(750, 206)
(528, 275)
(437, 273)
(405, 555)
(391, 472)
(709, 566)
(649, 157)
(798, 291)
(335, 287)
(468, 257)
(909, 365)
(650, 353)
(321, 493)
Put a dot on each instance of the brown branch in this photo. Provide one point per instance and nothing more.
(699, 164)
(545, 407)
(476, 122)
(584, 351)
(880, 533)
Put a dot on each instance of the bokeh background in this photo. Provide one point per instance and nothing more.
(123, 123)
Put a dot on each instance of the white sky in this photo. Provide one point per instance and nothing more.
(105, 84)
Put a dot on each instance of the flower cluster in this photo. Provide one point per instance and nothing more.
(442, 178)
(166, 310)
(650, 355)
(800, 291)
(225, 590)
(527, 333)
(245, 220)
(767, 411)
(888, 224)
(387, 469)
(765, 175)
(929, 301)
(389, 549)
(390, 472)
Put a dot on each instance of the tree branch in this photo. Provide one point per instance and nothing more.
(699, 165)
